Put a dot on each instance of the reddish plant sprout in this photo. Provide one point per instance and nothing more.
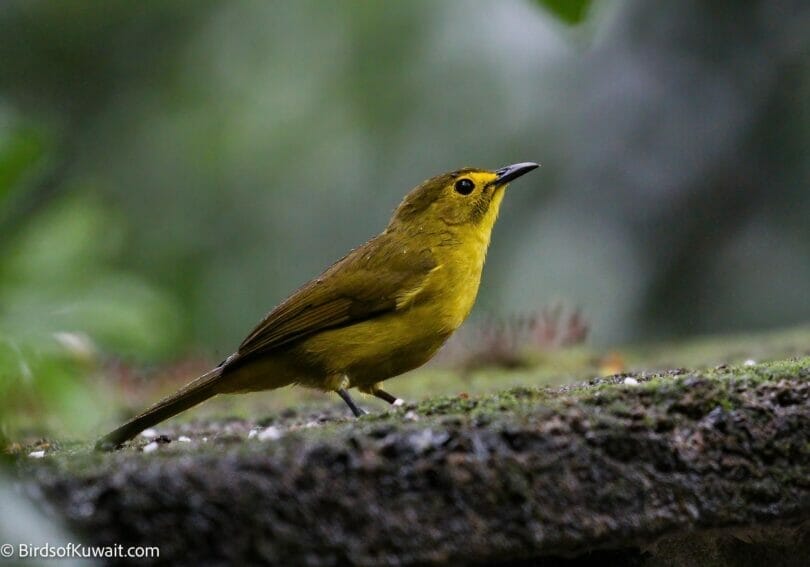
(550, 330)
(505, 343)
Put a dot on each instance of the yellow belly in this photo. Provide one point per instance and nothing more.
(376, 349)
(371, 351)
(386, 346)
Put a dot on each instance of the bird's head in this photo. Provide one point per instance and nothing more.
(468, 197)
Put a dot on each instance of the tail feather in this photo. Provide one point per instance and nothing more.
(190, 395)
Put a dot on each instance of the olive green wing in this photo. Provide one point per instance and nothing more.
(370, 281)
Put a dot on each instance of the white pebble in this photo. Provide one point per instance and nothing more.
(184, 439)
(271, 433)
(411, 416)
(399, 402)
(36, 454)
(630, 381)
(149, 433)
(311, 424)
(205, 439)
(750, 362)
(153, 446)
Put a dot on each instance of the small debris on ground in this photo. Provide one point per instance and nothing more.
(271, 433)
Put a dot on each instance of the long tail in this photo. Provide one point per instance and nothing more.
(190, 395)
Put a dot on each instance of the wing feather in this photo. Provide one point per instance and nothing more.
(367, 283)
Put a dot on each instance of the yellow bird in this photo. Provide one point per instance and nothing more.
(383, 309)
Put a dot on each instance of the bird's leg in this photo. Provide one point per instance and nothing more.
(376, 391)
(349, 402)
(383, 395)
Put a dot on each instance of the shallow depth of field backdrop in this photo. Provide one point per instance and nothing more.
(169, 171)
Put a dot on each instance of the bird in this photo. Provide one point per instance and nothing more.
(383, 309)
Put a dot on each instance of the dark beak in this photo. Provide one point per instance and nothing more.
(511, 172)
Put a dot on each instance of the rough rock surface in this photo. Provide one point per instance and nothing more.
(677, 468)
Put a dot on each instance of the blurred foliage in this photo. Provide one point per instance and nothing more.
(171, 170)
(44, 388)
(80, 284)
(21, 146)
(570, 11)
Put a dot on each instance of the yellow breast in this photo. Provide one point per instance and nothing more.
(426, 315)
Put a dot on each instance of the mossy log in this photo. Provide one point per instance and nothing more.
(663, 467)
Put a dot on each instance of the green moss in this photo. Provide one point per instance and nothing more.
(664, 394)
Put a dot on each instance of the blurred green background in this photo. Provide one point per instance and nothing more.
(170, 170)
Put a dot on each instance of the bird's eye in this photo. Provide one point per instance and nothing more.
(464, 186)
